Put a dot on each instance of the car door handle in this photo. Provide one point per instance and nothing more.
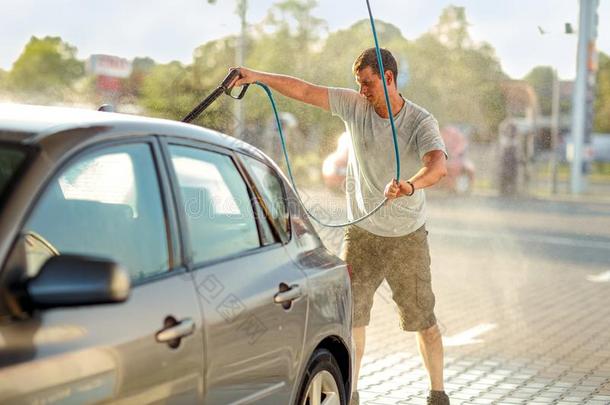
(288, 295)
(176, 331)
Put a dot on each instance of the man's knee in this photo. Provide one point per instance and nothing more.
(430, 335)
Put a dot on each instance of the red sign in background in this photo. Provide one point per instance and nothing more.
(107, 83)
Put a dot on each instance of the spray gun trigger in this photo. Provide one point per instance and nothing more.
(241, 94)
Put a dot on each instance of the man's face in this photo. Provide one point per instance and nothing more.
(371, 87)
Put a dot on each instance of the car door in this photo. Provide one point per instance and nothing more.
(107, 202)
(254, 298)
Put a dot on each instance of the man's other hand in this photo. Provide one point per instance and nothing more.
(392, 190)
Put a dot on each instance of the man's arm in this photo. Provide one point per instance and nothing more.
(287, 85)
(433, 170)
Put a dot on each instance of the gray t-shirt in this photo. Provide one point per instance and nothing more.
(372, 160)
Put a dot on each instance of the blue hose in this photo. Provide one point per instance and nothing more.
(387, 100)
(385, 90)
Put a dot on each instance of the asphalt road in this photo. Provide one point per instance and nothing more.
(567, 235)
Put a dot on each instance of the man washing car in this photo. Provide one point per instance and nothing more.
(392, 243)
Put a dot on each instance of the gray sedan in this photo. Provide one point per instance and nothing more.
(149, 261)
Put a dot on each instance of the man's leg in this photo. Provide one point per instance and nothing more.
(430, 345)
(410, 281)
(360, 250)
(359, 334)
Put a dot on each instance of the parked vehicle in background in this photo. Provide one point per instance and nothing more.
(150, 261)
(461, 170)
(334, 168)
(601, 147)
(596, 151)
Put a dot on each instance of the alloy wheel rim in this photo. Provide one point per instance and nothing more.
(322, 390)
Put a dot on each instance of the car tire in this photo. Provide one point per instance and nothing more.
(322, 379)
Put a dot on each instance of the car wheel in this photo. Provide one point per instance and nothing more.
(463, 184)
(323, 382)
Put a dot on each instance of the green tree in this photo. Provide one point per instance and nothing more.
(287, 42)
(132, 85)
(3, 80)
(342, 47)
(293, 23)
(452, 28)
(211, 64)
(541, 79)
(455, 78)
(602, 101)
(46, 68)
(450, 75)
(167, 91)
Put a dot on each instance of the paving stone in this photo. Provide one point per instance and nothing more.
(490, 380)
(460, 395)
(379, 388)
(404, 393)
(582, 391)
(480, 386)
(508, 386)
(482, 401)
(452, 386)
(575, 398)
(471, 392)
(541, 400)
(554, 388)
(383, 401)
(493, 395)
(512, 401)
(366, 395)
(548, 394)
(527, 390)
(459, 381)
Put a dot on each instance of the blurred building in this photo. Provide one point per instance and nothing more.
(109, 71)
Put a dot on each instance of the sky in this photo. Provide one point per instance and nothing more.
(171, 30)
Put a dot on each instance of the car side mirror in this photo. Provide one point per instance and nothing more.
(70, 280)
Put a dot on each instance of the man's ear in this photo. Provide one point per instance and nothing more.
(389, 78)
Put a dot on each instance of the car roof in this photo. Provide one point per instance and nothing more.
(32, 123)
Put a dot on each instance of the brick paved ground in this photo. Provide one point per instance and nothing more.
(521, 324)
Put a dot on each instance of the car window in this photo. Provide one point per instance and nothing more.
(272, 192)
(10, 160)
(106, 204)
(216, 202)
(266, 233)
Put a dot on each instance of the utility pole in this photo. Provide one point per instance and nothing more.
(554, 131)
(555, 112)
(242, 7)
(585, 66)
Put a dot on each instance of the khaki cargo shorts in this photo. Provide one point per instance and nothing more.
(404, 262)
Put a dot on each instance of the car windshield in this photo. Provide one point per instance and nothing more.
(11, 158)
